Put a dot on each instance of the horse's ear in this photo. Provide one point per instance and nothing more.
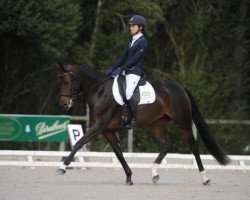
(58, 67)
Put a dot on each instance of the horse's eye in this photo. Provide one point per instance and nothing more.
(65, 82)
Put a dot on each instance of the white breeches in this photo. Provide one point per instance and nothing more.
(131, 82)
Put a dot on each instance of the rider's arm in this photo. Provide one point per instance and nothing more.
(137, 57)
(121, 59)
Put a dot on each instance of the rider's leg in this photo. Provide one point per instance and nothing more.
(131, 83)
(132, 110)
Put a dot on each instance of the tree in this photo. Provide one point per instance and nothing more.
(32, 34)
(106, 25)
(199, 48)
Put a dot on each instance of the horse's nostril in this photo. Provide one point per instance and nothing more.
(65, 105)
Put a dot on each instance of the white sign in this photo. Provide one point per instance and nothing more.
(75, 133)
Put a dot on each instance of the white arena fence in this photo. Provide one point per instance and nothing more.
(109, 160)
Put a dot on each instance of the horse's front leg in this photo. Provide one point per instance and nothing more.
(90, 134)
(115, 144)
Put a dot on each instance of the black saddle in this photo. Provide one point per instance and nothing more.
(122, 87)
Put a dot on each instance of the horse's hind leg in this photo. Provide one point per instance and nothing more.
(158, 134)
(114, 143)
(188, 134)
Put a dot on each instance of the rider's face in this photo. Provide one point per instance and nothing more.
(134, 28)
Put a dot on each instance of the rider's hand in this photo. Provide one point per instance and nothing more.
(109, 72)
(117, 71)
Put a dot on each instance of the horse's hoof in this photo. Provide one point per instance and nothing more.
(129, 182)
(61, 172)
(207, 182)
(155, 179)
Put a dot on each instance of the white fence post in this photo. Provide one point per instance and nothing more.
(130, 140)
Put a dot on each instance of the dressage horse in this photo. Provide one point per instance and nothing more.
(173, 103)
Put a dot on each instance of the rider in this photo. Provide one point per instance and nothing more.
(130, 62)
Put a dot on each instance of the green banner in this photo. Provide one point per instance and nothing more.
(34, 128)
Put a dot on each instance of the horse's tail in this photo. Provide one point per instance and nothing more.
(207, 137)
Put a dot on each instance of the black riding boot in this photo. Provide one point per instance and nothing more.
(132, 109)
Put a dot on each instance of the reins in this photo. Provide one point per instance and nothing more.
(74, 96)
(92, 87)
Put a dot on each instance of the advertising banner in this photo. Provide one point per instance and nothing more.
(34, 128)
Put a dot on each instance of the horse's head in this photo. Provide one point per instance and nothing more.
(69, 84)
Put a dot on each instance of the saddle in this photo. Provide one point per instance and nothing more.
(143, 94)
(122, 87)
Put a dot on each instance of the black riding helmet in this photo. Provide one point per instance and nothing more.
(137, 19)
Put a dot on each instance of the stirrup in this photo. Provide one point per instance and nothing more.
(133, 124)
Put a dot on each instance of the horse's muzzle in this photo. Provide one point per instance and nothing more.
(67, 104)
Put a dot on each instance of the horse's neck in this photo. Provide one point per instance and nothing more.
(97, 93)
(89, 81)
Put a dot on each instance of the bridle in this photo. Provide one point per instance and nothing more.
(73, 76)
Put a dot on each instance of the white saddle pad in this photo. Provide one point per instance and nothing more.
(147, 93)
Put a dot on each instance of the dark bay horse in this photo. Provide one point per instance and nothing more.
(173, 103)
